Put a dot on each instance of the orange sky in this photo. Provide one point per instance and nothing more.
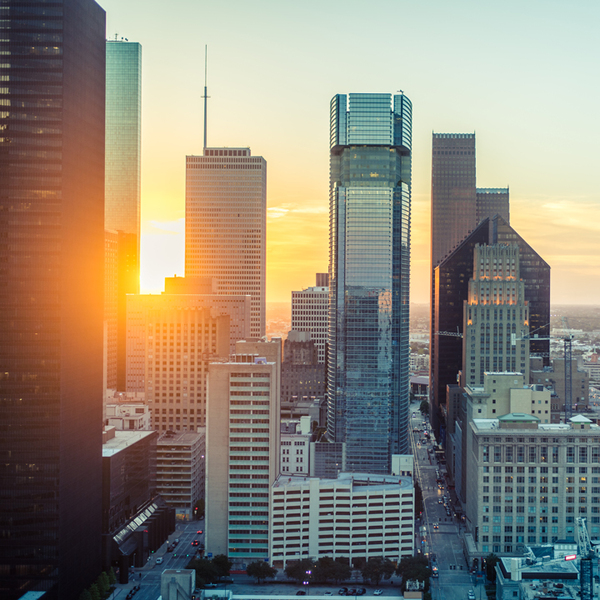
(494, 68)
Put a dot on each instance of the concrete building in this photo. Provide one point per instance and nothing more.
(301, 373)
(354, 516)
(180, 470)
(128, 416)
(295, 446)
(242, 450)
(450, 291)
(553, 377)
(123, 189)
(310, 312)
(52, 256)
(495, 316)
(527, 480)
(225, 225)
(171, 340)
(177, 584)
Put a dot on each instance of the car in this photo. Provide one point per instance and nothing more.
(471, 595)
(159, 560)
(440, 501)
(200, 531)
(351, 592)
(195, 543)
(361, 592)
(378, 592)
(169, 549)
(328, 593)
(436, 525)
(343, 591)
(210, 585)
(300, 593)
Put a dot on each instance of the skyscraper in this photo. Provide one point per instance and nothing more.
(51, 298)
(450, 291)
(123, 181)
(225, 225)
(370, 193)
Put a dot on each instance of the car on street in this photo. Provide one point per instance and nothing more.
(195, 543)
(471, 595)
(436, 525)
(199, 532)
(378, 592)
(343, 591)
(440, 501)
(300, 593)
(159, 560)
(328, 593)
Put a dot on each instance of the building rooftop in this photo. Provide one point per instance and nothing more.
(356, 480)
(183, 437)
(122, 440)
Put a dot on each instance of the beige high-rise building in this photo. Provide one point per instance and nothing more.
(496, 315)
(171, 340)
(242, 450)
(225, 224)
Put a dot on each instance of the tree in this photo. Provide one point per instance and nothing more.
(378, 568)
(95, 592)
(112, 578)
(85, 595)
(415, 568)
(206, 571)
(103, 584)
(341, 571)
(222, 564)
(490, 567)
(297, 569)
(261, 570)
(424, 407)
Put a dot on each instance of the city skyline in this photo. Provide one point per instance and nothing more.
(508, 83)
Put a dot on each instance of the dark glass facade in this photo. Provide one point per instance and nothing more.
(370, 192)
(453, 192)
(51, 294)
(450, 291)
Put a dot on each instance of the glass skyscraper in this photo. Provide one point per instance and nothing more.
(369, 199)
(51, 290)
(123, 196)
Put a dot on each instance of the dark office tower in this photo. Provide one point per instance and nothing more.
(123, 175)
(453, 192)
(492, 202)
(51, 295)
(450, 291)
(369, 199)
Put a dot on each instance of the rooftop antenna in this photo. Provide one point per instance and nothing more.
(205, 93)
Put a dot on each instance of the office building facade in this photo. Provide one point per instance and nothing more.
(172, 338)
(310, 312)
(52, 224)
(450, 290)
(123, 189)
(373, 517)
(225, 224)
(242, 451)
(370, 194)
(496, 316)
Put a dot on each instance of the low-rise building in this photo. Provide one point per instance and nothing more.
(355, 516)
(180, 470)
(295, 446)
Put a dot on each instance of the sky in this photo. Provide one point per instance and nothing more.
(522, 75)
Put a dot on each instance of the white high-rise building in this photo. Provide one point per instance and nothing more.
(310, 313)
(225, 224)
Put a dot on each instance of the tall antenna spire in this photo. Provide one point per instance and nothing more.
(205, 92)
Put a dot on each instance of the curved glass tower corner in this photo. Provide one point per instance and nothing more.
(370, 193)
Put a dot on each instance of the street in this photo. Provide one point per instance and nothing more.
(438, 533)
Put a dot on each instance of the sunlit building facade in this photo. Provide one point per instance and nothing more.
(123, 185)
(225, 224)
(370, 195)
(51, 297)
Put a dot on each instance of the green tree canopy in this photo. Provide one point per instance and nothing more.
(378, 568)
(414, 568)
(103, 584)
(297, 569)
(112, 578)
(85, 595)
(222, 564)
(95, 592)
(424, 407)
(206, 571)
(490, 566)
(261, 570)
